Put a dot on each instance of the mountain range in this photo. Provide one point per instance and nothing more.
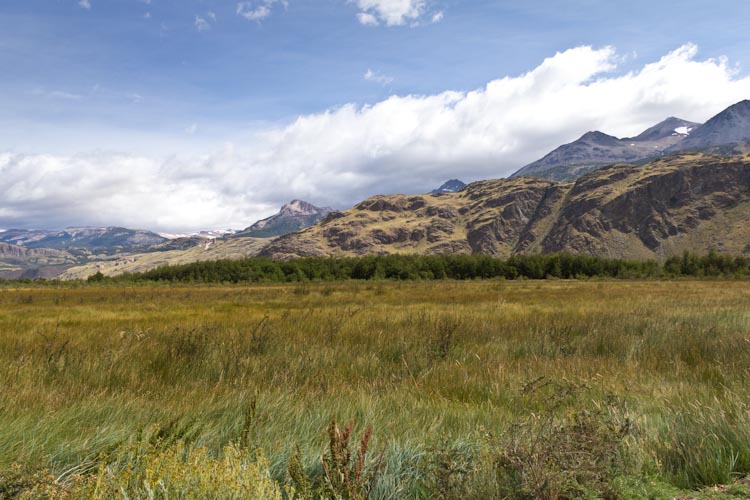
(687, 201)
(677, 186)
(725, 132)
(89, 238)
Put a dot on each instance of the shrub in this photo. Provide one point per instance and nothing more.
(549, 456)
(181, 471)
(24, 482)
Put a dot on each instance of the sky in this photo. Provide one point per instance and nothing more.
(183, 115)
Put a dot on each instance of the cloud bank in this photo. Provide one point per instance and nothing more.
(402, 144)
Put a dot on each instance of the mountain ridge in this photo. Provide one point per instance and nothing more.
(88, 238)
(596, 149)
(681, 202)
(731, 126)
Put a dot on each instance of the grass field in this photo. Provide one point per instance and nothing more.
(484, 389)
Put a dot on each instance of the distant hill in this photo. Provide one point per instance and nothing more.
(292, 217)
(693, 202)
(169, 254)
(21, 262)
(597, 149)
(89, 238)
(451, 186)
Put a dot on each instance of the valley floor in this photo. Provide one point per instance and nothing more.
(478, 389)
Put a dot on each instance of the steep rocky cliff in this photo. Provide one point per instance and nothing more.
(684, 202)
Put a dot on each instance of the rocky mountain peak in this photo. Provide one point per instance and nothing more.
(451, 186)
(670, 127)
(600, 138)
(731, 126)
(299, 207)
(295, 215)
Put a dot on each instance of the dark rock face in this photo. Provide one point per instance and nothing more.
(652, 210)
(684, 202)
(502, 218)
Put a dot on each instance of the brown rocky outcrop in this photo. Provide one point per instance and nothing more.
(685, 202)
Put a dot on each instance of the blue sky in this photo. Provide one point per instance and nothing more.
(207, 89)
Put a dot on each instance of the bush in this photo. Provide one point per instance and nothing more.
(549, 456)
(23, 482)
(180, 471)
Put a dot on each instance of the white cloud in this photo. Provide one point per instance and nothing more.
(204, 23)
(373, 76)
(57, 94)
(201, 24)
(65, 95)
(192, 129)
(402, 144)
(85, 4)
(395, 12)
(367, 19)
(257, 10)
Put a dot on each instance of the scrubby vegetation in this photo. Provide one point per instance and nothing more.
(455, 390)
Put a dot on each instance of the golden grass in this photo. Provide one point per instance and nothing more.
(85, 370)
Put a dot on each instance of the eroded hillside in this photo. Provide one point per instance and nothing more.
(687, 202)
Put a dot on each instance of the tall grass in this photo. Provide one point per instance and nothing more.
(436, 369)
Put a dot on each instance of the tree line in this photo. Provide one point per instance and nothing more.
(439, 267)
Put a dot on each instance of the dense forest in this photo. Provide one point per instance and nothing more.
(439, 267)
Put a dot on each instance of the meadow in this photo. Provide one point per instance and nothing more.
(456, 389)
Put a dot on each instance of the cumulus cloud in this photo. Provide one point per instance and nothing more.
(395, 12)
(374, 76)
(406, 144)
(257, 10)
